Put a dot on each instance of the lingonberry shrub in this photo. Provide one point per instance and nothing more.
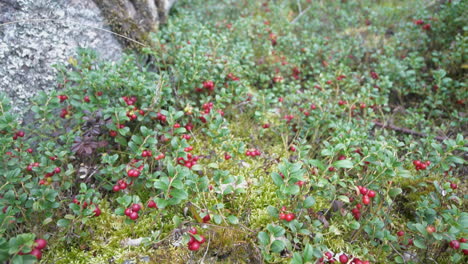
(286, 140)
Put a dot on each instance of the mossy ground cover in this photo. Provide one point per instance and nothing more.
(282, 131)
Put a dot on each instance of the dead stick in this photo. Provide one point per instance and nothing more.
(406, 130)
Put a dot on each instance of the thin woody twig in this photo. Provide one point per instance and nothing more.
(301, 14)
(406, 130)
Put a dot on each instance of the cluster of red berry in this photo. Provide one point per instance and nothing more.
(342, 258)
(132, 211)
(419, 165)
(161, 117)
(64, 113)
(146, 153)
(121, 185)
(253, 152)
(130, 100)
(367, 195)
(62, 98)
(48, 175)
(232, 77)
(189, 162)
(455, 244)
(131, 114)
(39, 245)
(133, 173)
(160, 156)
(288, 118)
(97, 211)
(288, 217)
(18, 134)
(194, 244)
(420, 22)
(341, 77)
(207, 107)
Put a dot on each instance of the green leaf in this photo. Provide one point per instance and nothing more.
(355, 225)
(272, 211)
(233, 220)
(309, 202)
(292, 189)
(176, 220)
(344, 198)
(277, 231)
(197, 167)
(263, 238)
(419, 243)
(277, 246)
(121, 140)
(456, 159)
(63, 223)
(213, 165)
(394, 192)
(347, 164)
(277, 179)
(296, 259)
(317, 163)
(217, 219)
(308, 253)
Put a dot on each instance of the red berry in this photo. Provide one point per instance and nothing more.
(227, 156)
(40, 243)
(202, 239)
(453, 186)
(36, 252)
(97, 211)
(363, 190)
(462, 240)
(371, 194)
(116, 188)
(57, 170)
(152, 204)
(136, 207)
(192, 231)
(29, 150)
(365, 200)
(289, 217)
(86, 99)
(133, 215)
(128, 212)
(282, 216)
(194, 246)
(343, 258)
(455, 244)
(206, 218)
(400, 233)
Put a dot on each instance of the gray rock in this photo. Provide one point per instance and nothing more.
(36, 34)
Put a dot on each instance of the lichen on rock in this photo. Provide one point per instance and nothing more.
(36, 34)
